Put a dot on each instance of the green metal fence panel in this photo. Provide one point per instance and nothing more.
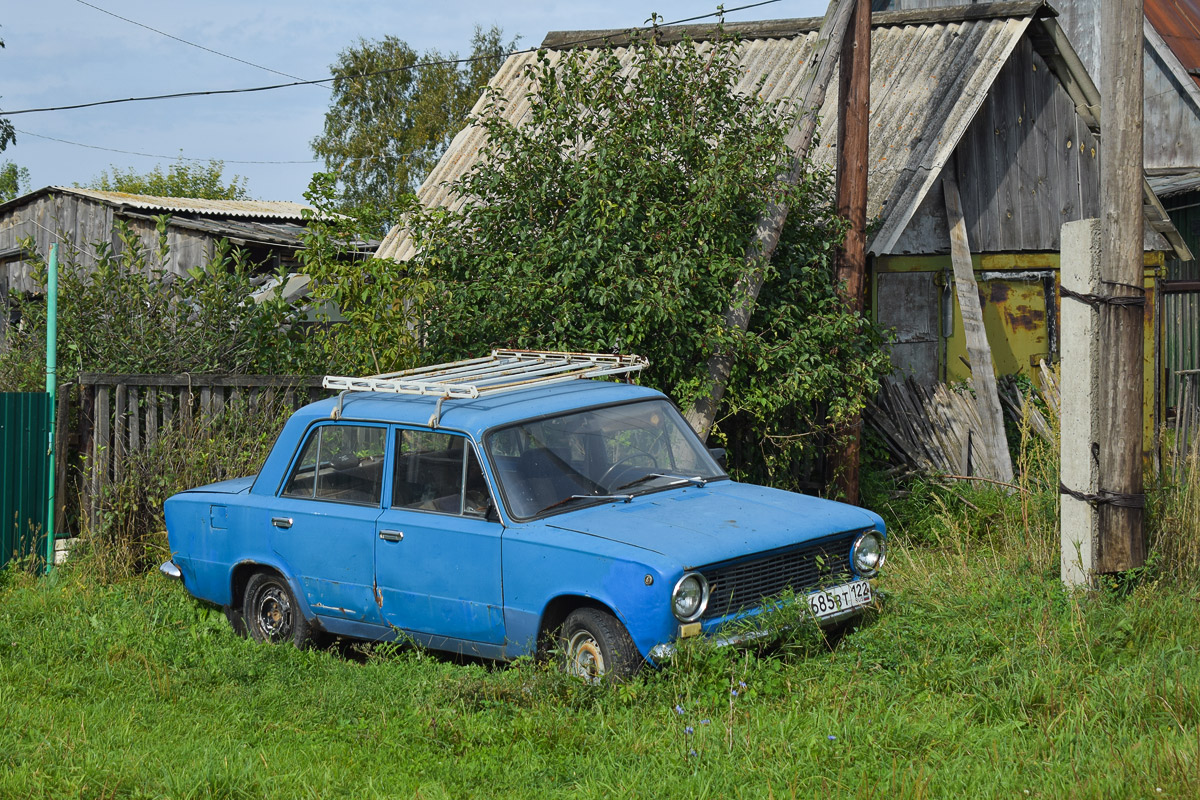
(24, 473)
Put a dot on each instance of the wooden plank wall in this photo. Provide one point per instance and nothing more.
(122, 414)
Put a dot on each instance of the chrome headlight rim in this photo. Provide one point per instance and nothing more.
(704, 593)
(856, 548)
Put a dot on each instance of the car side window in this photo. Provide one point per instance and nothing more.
(343, 463)
(438, 472)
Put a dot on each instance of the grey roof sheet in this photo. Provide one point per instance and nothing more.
(262, 209)
(930, 72)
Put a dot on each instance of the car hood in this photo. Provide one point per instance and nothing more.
(723, 520)
(231, 486)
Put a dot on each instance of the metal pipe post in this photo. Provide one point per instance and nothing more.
(52, 392)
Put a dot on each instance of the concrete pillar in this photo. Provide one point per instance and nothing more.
(1079, 465)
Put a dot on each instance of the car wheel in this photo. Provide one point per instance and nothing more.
(596, 647)
(272, 613)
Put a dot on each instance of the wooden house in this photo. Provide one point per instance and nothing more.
(992, 94)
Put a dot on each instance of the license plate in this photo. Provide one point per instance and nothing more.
(837, 600)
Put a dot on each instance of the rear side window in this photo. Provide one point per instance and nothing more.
(342, 463)
(438, 472)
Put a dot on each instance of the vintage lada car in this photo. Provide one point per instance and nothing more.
(505, 504)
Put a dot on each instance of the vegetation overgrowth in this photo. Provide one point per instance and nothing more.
(131, 314)
(979, 677)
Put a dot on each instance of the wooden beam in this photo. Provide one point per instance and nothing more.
(770, 224)
(1122, 544)
(983, 375)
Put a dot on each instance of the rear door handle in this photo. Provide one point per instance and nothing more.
(391, 536)
(281, 522)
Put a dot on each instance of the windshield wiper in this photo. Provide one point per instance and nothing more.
(695, 480)
(622, 497)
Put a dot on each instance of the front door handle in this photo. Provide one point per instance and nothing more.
(281, 522)
(391, 536)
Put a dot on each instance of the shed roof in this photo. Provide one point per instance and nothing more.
(931, 70)
(253, 209)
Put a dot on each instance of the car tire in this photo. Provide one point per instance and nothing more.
(595, 647)
(272, 613)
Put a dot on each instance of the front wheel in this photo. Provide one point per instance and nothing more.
(272, 613)
(595, 646)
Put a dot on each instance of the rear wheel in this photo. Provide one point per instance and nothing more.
(596, 647)
(272, 613)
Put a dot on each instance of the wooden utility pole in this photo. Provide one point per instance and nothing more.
(854, 109)
(1122, 543)
(770, 224)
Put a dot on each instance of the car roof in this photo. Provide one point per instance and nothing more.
(482, 413)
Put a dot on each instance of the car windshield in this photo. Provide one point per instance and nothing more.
(593, 455)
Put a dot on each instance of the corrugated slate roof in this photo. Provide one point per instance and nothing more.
(261, 209)
(930, 72)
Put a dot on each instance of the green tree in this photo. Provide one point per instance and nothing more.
(14, 181)
(181, 179)
(388, 123)
(616, 216)
(128, 315)
(377, 299)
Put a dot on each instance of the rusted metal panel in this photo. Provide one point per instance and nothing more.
(1178, 23)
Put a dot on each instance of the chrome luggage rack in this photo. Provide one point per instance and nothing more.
(502, 371)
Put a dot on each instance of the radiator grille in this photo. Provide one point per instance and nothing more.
(742, 585)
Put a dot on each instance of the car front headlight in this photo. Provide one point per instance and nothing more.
(868, 553)
(690, 597)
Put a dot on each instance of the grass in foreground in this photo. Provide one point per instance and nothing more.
(980, 678)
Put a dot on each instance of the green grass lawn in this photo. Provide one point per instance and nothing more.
(979, 678)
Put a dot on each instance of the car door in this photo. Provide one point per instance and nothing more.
(323, 524)
(437, 553)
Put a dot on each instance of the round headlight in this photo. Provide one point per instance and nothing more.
(867, 554)
(690, 597)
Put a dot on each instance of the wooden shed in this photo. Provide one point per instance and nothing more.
(77, 219)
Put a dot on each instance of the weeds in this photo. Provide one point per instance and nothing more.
(128, 536)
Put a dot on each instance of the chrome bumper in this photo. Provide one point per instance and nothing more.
(169, 569)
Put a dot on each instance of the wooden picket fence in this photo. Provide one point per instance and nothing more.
(122, 414)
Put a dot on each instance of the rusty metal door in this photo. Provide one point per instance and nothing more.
(24, 473)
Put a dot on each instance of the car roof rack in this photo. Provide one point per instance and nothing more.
(502, 371)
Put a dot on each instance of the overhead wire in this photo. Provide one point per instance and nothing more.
(419, 65)
(185, 41)
(397, 157)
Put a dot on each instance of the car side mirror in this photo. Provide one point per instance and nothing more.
(718, 454)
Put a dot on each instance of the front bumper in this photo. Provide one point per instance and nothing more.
(664, 651)
(171, 571)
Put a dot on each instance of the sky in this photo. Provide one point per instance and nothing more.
(64, 52)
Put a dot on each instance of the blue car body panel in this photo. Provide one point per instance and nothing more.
(474, 584)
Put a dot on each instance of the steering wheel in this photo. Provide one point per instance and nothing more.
(620, 468)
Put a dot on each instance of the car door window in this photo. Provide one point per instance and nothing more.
(438, 472)
(342, 463)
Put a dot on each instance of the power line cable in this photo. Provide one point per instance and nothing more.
(396, 157)
(185, 41)
(153, 155)
(444, 62)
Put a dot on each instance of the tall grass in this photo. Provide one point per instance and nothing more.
(128, 536)
(1174, 521)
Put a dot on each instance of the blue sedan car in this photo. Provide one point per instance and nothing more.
(507, 510)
